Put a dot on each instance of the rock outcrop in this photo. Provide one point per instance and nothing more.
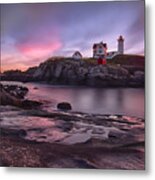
(14, 95)
(71, 72)
(81, 72)
(16, 91)
(71, 140)
(7, 99)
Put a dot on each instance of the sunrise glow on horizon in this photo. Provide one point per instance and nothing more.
(31, 33)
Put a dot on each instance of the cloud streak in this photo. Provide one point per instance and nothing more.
(33, 32)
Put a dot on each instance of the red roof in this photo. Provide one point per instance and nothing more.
(94, 46)
(100, 44)
(78, 53)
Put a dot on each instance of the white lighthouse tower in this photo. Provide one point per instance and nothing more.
(121, 45)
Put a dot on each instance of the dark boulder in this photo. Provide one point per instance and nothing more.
(64, 106)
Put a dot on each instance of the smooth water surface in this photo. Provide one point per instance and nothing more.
(125, 101)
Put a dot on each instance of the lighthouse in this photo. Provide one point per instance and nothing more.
(121, 45)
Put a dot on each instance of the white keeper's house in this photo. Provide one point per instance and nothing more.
(100, 49)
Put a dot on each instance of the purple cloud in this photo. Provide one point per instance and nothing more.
(32, 32)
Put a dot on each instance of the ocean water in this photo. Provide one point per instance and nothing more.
(124, 101)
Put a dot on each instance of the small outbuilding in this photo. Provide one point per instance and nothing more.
(77, 55)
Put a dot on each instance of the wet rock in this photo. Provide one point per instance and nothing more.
(64, 106)
(8, 99)
(137, 79)
(16, 91)
(30, 104)
(13, 95)
(139, 76)
(72, 140)
(66, 127)
(13, 132)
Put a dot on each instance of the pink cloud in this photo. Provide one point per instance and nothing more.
(27, 54)
(39, 50)
(16, 66)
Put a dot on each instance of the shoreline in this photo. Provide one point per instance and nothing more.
(16, 152)
(124, 144)
(69, 85)
(33, 137)
(76, 85)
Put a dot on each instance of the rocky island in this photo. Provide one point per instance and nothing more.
(119, 72)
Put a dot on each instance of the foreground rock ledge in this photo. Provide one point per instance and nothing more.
(118, 151)
(17, 152)
(103, 148)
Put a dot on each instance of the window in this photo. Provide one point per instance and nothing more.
(100, 51)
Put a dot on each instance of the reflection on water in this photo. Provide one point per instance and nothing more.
(128, 101)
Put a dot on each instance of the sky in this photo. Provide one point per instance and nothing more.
(31, 33)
